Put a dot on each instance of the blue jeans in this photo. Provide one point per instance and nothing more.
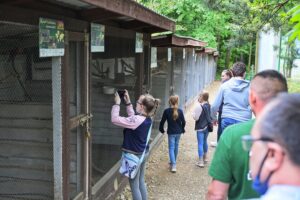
(202, 142)
(137, 185)
(227, 122)
(173, 140)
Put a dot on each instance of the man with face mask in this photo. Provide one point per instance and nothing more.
(229, 167)
(275, 141)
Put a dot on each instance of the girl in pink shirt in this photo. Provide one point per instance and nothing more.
(136, 127)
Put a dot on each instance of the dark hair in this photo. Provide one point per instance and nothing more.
(150, 104)
(268, 83)
(238, 69)
(280, 122)
(228, 73)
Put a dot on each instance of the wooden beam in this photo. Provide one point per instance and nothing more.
(98, 14)
(134, 25)
(172, 40)
(44, 7)
(210, 50)
(177, 41)
(196, 43)
(161, 41)
(200, 50)
(65, 105)
(136, 11)
(31, 17)
(14, 2)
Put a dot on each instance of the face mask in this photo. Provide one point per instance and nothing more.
(261, 187)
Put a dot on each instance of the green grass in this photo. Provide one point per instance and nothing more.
(294, 86)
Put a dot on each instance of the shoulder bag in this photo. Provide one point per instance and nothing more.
(130, 163)
(210, 126)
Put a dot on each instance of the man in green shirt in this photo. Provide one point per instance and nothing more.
(229, 168)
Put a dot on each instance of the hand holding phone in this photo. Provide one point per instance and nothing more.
(121, 93)
(124, 96)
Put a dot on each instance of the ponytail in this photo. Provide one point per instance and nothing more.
(150, 105)
(175, 112)
(173, 101)
(156, 104)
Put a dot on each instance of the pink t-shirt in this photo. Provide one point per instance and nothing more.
(132, 121)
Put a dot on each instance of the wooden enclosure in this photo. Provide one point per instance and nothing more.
(55, 131)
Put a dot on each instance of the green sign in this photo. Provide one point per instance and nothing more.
(97, 37)
(51, 37)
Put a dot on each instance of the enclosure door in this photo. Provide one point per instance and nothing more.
(78, 92)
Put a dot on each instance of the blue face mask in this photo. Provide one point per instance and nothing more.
(261, 187)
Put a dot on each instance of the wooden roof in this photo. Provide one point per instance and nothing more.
(125, 14)
(209, 50)
(171, 40)
(216, 53)
(130, 13)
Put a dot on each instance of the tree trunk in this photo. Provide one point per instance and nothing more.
(242, 57)
(285, 61)
(250, 56)
(227, 59)
(289, 62)
(219, 43)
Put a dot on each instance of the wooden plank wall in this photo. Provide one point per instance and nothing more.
(26, 134)
(26, 150)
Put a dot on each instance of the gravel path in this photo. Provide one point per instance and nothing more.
(189, 182)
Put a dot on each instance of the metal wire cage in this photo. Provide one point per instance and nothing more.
(25, 115)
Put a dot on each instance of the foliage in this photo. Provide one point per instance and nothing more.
(193, 18)
(293, 86)
(295, 19)
(229, 25)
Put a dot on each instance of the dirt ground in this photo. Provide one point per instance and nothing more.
(190, 181)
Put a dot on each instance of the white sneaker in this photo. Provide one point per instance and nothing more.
(205, 158)
(173, 169)
(200, 164)
(213, 144)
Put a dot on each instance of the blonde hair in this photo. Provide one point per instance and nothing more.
(228, 73)
(173, 101)
(150, 104)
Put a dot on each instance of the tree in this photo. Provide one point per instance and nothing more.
(295, 19)
(228, 25)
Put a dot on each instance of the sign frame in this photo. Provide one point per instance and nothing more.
(51, 37)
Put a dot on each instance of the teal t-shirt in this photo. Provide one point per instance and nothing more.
(230, 163)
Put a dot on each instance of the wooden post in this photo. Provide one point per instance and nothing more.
(57, 128)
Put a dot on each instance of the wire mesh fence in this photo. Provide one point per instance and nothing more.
(26, 155)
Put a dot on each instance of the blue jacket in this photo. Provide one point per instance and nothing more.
(234, 94)
(174, 126)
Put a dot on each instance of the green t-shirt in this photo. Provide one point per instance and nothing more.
(230, 163)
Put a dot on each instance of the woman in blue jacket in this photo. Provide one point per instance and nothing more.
(176, 123)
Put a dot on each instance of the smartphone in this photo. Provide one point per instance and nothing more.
(121, 93)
